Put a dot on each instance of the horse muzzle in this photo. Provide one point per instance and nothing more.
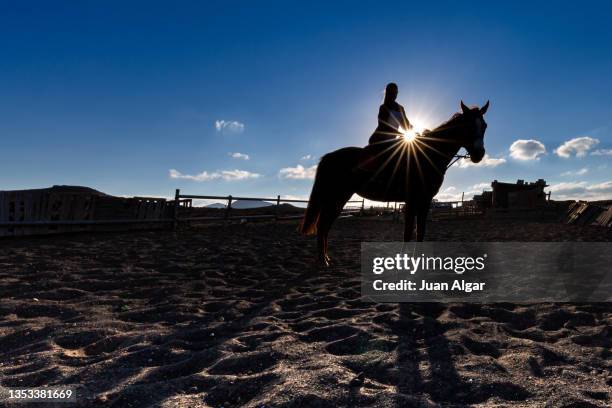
(477, 155)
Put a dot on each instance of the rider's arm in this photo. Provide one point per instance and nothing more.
(406, 125)
(383, 115)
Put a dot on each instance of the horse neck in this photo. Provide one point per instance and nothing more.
(442, 144)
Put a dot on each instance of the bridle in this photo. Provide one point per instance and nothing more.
(456, 158)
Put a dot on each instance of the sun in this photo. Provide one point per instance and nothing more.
(408, 135)
(418, 126)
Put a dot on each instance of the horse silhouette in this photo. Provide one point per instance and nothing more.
(409, 171)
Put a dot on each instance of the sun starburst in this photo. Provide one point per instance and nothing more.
(418, 126)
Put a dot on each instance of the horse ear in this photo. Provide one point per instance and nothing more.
(484, 108)
(464, 108)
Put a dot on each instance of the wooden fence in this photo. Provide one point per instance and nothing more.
(455, 209)
(186, 200)
(60, 209)
(441, 211)
(72, 209)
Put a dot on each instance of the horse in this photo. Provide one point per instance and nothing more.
(409, 171)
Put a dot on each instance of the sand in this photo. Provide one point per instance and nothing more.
(240, 315)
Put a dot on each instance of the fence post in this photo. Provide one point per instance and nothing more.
(362, 206)
(177, 195)
(277, 206)
(229, 207)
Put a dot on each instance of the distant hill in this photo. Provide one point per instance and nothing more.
(215, 205)
(245, 204)
(242, 204)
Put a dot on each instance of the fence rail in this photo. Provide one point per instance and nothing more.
(448, 213)
(230, 197)
(186, 200)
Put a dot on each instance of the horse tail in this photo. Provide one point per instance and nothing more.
(310, 222)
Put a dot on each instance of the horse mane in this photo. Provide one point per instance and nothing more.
(451, 122)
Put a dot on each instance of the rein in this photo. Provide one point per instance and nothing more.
(456, 158)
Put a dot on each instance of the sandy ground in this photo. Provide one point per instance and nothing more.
(241, 316)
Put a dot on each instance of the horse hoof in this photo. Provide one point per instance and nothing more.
(323, 262)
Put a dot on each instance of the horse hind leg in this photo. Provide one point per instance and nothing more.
(325, 222)
(329, 214)
(322, 247)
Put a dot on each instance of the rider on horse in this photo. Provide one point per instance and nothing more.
(391, 116)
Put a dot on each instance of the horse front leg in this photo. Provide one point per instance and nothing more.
(421, 221)
(408, 223)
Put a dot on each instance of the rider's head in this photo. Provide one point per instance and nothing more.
(391, 92)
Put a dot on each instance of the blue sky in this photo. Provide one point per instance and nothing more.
(146, 97)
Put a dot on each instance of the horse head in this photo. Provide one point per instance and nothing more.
(473, 139)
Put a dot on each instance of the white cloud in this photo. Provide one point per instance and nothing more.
(240, 156)
(451, 196)
(524, 149)
(578, 146)
(487, 161)
(580, 172)
(481, 186)
(306, 157)
(227, 175)
(452, 193)
(448, 196)
(602, 152)
(298, 172)
(581, 190)
(229, 126)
